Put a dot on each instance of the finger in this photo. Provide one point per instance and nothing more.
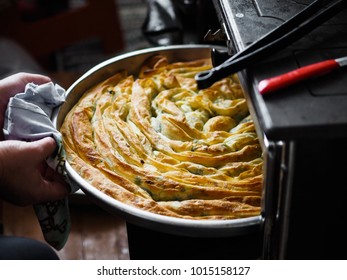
(53, 186)
(16, 83)
(34, 78)
(52, 175)
(53, 190)
(46, 146)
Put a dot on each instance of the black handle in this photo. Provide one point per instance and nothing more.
(273, 42)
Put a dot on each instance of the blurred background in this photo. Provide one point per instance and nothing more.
(65, 38)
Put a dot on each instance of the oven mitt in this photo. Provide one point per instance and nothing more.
(28, 118)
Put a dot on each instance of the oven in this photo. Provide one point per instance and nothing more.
(303, 130)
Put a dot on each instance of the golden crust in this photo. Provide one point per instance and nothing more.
(160, 144)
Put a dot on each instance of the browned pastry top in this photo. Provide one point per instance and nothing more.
(158, 143)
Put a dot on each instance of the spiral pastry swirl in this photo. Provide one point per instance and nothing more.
(158, 143)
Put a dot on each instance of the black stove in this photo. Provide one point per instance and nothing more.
(314, 108)
(304, 130)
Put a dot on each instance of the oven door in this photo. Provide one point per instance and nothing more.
(278, 159)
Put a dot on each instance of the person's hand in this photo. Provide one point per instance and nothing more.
(12, 85)
(25, 178)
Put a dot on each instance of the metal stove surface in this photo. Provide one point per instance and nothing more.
(311, 109)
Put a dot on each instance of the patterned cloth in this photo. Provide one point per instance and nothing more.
(28, 118)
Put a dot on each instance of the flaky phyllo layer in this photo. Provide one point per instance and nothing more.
(158, 143)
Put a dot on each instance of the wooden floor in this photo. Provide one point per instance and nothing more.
(95, 234)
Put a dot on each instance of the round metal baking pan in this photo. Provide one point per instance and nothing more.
(131, 61)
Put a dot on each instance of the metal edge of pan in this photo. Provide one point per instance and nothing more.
(186, 227)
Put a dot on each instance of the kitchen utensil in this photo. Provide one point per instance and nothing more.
(281, 81)
(292, 30)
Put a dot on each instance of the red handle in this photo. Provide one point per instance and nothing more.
(287, 79)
